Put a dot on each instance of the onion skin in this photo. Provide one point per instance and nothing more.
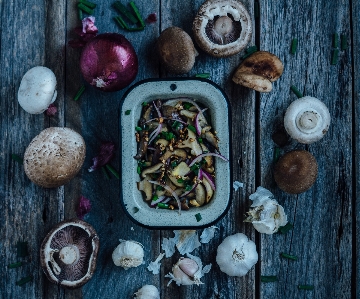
(109, 62)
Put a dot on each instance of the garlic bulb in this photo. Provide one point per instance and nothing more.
(267, 215)
(188, 271)
(128, 254)
(148, 292)
(236, 255)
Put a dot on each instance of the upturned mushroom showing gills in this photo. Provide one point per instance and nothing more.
(37, 90)
(68, 253)
(54, 157)
(307, 120)
(296, 171)
(176, 50)
(258, 71)
(222, 27)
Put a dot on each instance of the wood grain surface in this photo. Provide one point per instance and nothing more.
(326, 218)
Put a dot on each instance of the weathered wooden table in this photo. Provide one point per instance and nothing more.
(325, 218)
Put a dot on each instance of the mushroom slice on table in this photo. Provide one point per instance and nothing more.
(54, 157)
(258, 71)
(296, 171)
(68, 253)
(222, 27)
(37, 90)
(307, 120)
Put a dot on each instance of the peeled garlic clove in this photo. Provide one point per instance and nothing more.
(188, 266)
(148, 292)
(128, 254)
(180, 277)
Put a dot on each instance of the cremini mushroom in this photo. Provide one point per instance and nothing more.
(222, 27)
(296, 171)
(54, 157)
(145, 186)
(191, 142)
(68, 253)
(307, 120)
(37, 90)
(176, 50)
(258, 71)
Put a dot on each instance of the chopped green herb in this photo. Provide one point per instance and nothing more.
(24, 280)
(103, 169)
(203, 161)
(86, 9)
(80, 14)
(79, 93)
(296, 91)
(335, 57)
(127, 13)
(119, 20)
(138, 129)
(137, 13)
(294, 44)
(155, 197)
(200, 140)
(175, 124)
(88, 3)
(194, 167)
(180, 181)
(161, 205)
(112, 170)
(15, 265)
(188, 187)
(168, 135)
(144, 103)
(335, 40)
(344, 43)
(17, 158)
(286, 228)
(203, 75)
(198, 217)
(159, 188)
(251, 49)
(288, 256)
(276, 154)
(135, 209)
(268, 278)
(305, 287)
(187, 105)
(192, 128)
(127, 112)
(174, 164)
(22, 249)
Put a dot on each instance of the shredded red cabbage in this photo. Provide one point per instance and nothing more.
(107, 152)
(51, 110)
(83, 208)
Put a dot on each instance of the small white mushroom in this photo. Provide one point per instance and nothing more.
(37, 90)
(307, 120)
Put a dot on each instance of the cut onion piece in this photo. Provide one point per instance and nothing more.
(205, 155)
(209, 178)
(160, 199)
(197, 124)
(157, 109)
(173, 193)
(155, 133)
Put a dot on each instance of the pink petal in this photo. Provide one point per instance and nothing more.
(152, 18)
(83, 208)
(107, 152)
(51, 110)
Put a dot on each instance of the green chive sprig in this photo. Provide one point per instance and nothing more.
(198, 217)
(17, 158)
(15, 265)
(79, 93)
(123, 10)
(112, 170)
(335, 40)
(137, 13)
(344, 43)
(276, 154)
(271, 278)
(288, 256)
(286, 228)
(85, 8)
(296, 91)
(305, 287)
(335, 57)
(24, 280)
(161, 205)
(203, 75)
(294, 44)
(127, 112)
(88, 3)
(103, 169)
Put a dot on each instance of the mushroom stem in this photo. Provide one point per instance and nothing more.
(308, 121)
(69, 254)
(223, 26)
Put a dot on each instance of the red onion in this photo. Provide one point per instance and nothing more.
(205, 155)
(171, 191)
(109, 62)
(209, 178)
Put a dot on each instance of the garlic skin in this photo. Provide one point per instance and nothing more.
(267, 215)
(128, 254)
(147, 292)
(236, 255)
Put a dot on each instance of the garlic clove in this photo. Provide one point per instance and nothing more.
(180, 277)
(147, 292)
(128, 254)
(188, 266)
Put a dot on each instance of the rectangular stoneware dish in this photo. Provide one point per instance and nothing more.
(207, 94)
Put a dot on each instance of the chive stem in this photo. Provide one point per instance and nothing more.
(203, 75)
(276, 154)
(286, 228)
(271, 278)
(344, 43)
(137, 13)
(84, 8)
(161, 205)
(80, 14)
(22, 250)
(123, 10)
(17, 158)
(88, 3)
(24, 280)
(335, 57)
(127, 112)
(198, 217)
(288, 256)
(296, 91)
(79, 93)
(119, 22)
(105, 173)
(335, 40)
(251, 49)
(294, 44)
(305, 287)
(15, 265)
(112, 170)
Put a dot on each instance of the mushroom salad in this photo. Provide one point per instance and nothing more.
(176, 150)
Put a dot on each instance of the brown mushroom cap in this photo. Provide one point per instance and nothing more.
(176, 50)
(68, 253)
(54, 157)
(296, 171)
(258, 71)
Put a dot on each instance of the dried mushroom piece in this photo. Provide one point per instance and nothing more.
(222, 27)
(68, 253)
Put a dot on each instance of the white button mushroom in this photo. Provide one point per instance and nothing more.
(37, 90)
(307, 120)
